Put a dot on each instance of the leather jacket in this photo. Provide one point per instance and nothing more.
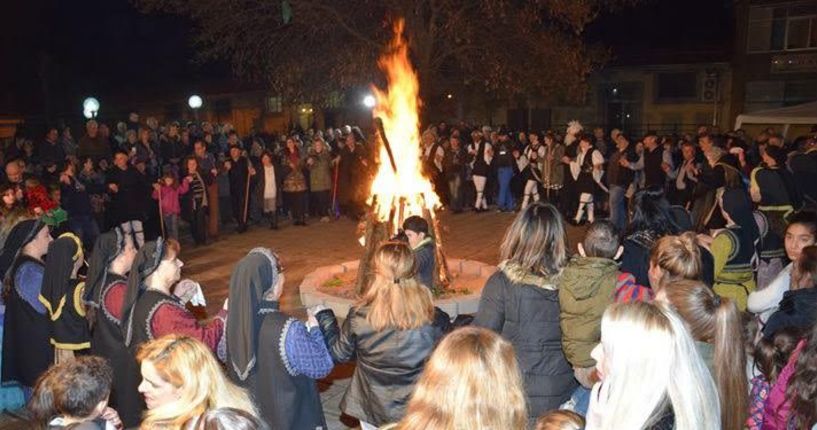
(389, 362)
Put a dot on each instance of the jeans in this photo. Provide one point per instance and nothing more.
(85, 227)
(171, 226)
(580, 400)
(618, 207)
(504, 176)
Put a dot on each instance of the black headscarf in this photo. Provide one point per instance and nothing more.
(254, 275)
(57, 282)
(20, 235)
(146, 262)
(107, 247)
(736, 203)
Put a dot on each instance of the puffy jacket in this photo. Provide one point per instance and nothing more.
(389, 362)
(524, 309)
(586, 287)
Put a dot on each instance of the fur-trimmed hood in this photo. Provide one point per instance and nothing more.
(519, 275)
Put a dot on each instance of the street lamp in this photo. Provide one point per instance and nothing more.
(90, 107)
(195, 103)
(369, 101)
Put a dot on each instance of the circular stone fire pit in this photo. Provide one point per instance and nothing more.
(333, 287)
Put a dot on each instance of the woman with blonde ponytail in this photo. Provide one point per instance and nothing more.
(181, 380)
(391, 331)
(674, 258)
(715, 324)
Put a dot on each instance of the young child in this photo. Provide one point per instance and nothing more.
(168, 191)
(10, 202)
(588, 285)
(74, 394)
(422, 244)
(590, 282)
(560, 420)
(770, 355)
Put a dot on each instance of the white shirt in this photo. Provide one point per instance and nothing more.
(270, 191)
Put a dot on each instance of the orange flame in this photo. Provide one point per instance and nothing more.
(398, 108)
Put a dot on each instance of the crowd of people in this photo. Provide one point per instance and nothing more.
(691, 305)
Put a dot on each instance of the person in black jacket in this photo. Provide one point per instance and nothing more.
(797, 309)
(76, 201)
(239, 171)
(391, 332)
(126, 186)
(422, 244)
(521, 302)
(196, 202)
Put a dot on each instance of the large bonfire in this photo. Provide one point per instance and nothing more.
(399, 189)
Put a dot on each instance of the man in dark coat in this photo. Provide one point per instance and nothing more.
(126, 186)
(239, 172)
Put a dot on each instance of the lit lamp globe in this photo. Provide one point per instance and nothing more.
(194, 102)
(90, 107)
(369, 101)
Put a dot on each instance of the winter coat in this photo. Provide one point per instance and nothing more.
(170, 197)
(778, 405)
(586, 287)
(524, 309)
(320, 172)
(797, 309)
(389, 362)
(426, 264)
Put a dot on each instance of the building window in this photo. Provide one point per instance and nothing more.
(676, 86)
(274, 105)
(784, 28)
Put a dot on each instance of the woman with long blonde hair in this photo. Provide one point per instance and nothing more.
(181, 380)
(391, 331)
(472, 381)
(651, 374)
(716, 328)
(521, 303)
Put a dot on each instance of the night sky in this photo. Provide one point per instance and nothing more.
(107, 48)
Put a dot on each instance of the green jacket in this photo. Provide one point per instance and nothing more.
(587, 286)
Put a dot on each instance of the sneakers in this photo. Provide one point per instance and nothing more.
(325, 219)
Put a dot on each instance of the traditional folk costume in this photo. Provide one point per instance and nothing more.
(553, 172)
(733, 249)
(803, 165)
(773, 190)
(480, 169)
(150, 314)
(106, 293)
(586, 171)
(276, 357)
(62, 295)
(530, 166)
(27, 350)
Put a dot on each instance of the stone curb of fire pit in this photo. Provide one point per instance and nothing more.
(465, 304)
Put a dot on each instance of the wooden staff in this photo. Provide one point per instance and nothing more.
(246, 194)
(335, 207)
(161, 214)
(547, 171)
